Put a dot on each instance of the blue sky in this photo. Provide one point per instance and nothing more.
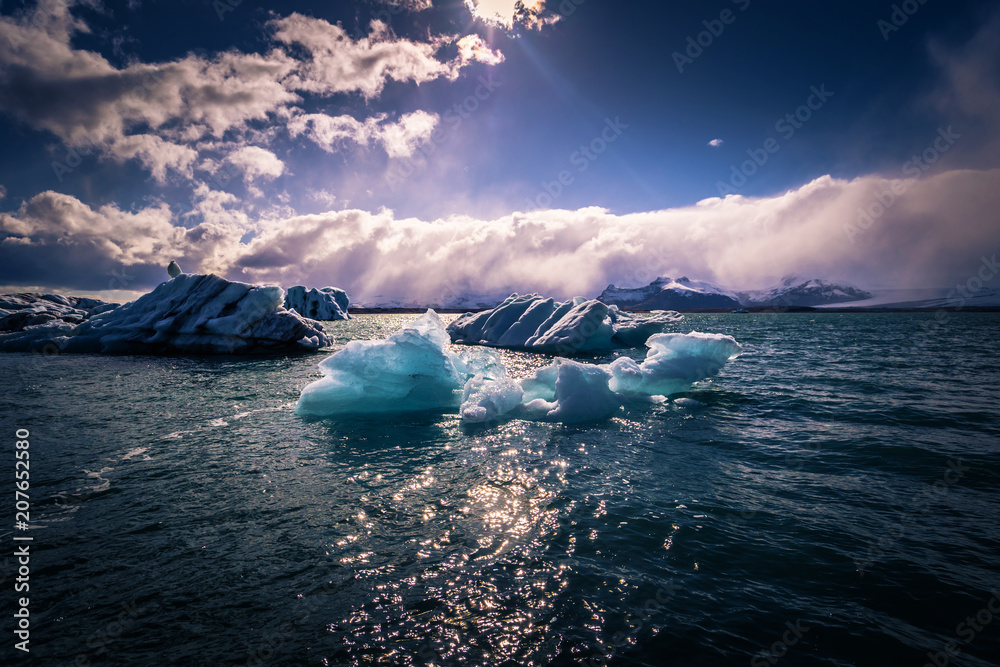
(409, 148)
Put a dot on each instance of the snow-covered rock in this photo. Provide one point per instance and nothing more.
(328, 303)
(201, 314)
(797, 291)
(20, 311)
(666, 293)
(414, 370)
(533, 322)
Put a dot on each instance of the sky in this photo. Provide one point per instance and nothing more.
(414, 150)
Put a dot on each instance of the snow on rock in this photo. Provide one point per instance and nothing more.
(797, 291)
(200, 314)
(21, 311)
(328, 303)
(414, 370)
(535, 323)
(682, 293)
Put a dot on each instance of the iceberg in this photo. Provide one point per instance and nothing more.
(579, 326)
(328, 303)
(577, 393)
(21, 311)
(191, 313)
(409, 371)
(414, 370)
(673, 363)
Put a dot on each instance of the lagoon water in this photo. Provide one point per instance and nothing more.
(835, 501)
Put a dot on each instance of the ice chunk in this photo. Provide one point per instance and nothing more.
(689, 403)
(633, 330)
(485, 399)
(328, 303)
(673, 363)
(409, 371)
(581, 394)
(544, 325)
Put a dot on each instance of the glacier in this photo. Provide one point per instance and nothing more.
(579, 326)
(328, 303)
(188, 314)
(415, 370)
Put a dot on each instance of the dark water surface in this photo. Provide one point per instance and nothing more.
(835, 502)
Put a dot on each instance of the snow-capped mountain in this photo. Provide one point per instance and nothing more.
(687, 294)
(797, 291)
(669, 294)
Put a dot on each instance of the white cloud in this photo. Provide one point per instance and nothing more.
(931, 235)
(409, 5)
(399, 139)
(155, 154)
(715, 143)
(256, 163)
(472, 48)
(339, 64)
(163, 114)
(3, 192)
(935, 234)
(54, 219)
(507, 13)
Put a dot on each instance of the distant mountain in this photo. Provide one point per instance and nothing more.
(669, 294)
(797, 291)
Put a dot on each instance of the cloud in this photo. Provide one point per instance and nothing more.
(715, 143)
(967, 94)
(409, 5)
(472, 48)
(256, 163)
(932, 234)
(155, 154)
(163, 114)
(58, 240)
(339, 64)
(508, 13)
(400, 139)
(3, 192)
